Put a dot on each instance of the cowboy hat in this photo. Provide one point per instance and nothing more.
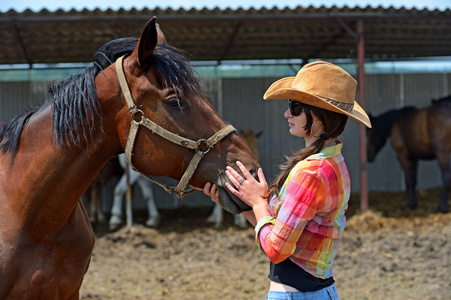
(323, 85)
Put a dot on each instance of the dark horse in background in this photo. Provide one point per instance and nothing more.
(416, 134)
(49, 157)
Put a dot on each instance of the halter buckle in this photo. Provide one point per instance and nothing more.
(136, 111)
(201, 142)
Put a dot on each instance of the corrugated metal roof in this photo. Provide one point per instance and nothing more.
(214, 34)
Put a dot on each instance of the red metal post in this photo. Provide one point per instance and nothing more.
(362, 129)
(128, 198)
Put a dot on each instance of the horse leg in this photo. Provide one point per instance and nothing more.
(146, 189)
(217, 216)
(410, 175)
(89, 194)
(446, 178)
(240, 221)
(96, 204)
(116, 210)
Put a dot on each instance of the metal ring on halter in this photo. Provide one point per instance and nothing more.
(199, 142)
(137, 111)
(241, 180)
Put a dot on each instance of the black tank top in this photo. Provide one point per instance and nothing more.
(288, 273)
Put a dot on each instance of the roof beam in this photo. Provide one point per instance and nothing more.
(348, 29)
(230, 42)
(334, 39)
(21, 43)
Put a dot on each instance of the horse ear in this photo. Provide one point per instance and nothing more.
(259, 134)
(148, 41)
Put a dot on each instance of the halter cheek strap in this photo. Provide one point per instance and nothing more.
(201, 146)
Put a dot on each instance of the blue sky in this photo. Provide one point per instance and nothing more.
(52, 5)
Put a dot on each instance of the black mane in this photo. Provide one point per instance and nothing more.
(383, 123)
(75, 103)
(442, 101)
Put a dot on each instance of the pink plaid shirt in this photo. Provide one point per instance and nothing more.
(310, 218)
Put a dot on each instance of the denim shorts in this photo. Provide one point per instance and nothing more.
(328, 293)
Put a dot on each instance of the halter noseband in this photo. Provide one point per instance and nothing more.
(207, 144)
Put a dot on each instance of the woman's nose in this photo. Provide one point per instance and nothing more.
(287, 114)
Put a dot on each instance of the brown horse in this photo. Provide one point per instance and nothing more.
(251, 140)
(50, 156)
(416, 134)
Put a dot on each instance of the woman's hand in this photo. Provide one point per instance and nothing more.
(209, 190)
(248, 189)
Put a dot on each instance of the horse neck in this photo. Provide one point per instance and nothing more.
(384, 123)
(47, 181)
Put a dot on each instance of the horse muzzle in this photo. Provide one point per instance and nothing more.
(229, 201)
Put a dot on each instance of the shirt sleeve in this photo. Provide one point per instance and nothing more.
(303, 197)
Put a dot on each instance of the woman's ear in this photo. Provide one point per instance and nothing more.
(317, 127)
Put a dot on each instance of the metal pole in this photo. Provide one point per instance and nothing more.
(362, 129)
(128, 199)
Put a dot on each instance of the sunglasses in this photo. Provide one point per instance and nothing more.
(295, 108)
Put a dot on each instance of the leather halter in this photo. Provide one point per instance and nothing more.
(207, 144)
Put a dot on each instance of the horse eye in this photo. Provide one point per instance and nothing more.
(174, 103)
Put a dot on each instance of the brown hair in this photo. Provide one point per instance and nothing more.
(333, 126)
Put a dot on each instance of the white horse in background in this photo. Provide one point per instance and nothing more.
(93, 195)
(217, 216)
(121, 189)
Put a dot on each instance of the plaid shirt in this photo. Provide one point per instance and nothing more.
(310, 216)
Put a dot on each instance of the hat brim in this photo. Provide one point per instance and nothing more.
(282, 89)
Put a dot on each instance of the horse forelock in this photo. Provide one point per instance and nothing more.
(75, 102)
(175, 71)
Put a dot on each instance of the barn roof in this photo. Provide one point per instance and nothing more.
(216, 35)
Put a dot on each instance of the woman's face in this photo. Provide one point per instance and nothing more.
(297, 124)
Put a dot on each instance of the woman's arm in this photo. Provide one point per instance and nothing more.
(250, 217)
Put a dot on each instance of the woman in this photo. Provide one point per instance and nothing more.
(300, 226)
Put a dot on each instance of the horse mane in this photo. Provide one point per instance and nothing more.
(75, 103)
(10, 132)
(384, 122)
(442, 101)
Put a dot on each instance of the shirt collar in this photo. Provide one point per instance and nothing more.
(327, 152)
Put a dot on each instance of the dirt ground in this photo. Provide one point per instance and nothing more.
(386, 253)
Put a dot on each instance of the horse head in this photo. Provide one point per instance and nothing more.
(375, 139)
(166, 94)
(251, 140)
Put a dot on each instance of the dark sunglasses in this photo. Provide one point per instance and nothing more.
(295, 108)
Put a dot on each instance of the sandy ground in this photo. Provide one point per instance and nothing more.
(385, 253)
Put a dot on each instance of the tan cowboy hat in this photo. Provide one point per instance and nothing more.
(323, 85)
